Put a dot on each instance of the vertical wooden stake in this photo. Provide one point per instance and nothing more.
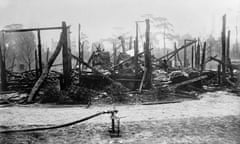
(185, 55)
(39, 51)
(148, 61)
(3, 68)
(224, 49)
(79, 53)
(192, 57)
(203, 56)
(175, 57)
(36, 64)
(114, 54)
(47, 57)
(136, 67)
(65, 57)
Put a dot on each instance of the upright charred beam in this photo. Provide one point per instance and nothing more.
(136, 51)
(228, 54)
(175, 56)
(65, 58)
(148, 62)
(36, 64)
(192, 57)
(39, 51)
(114, 54)
(203, 56)
(2, 66)
(79, 53)
(185, 55)
(224, 48)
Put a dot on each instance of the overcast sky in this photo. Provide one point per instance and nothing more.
(99, 17)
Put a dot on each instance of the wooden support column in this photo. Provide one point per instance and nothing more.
(69, 49)
(185, 55)
(228, 46)
(3, 68)
(197, 61)
(79, 53)
(136, 52)
(47, 56)
(39, 51)
(114, 54)
(228, 53)
(65, 58)
(36, 64)
(192, 57)
(175, 56)
(148, 62)
(224, 48)
(203, 56)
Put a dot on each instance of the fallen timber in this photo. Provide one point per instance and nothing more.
(172, 87)
(173, 53)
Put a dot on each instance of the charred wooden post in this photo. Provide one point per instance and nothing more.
(69, 49)
(36, 64)
(219, 74)
(203, 56)
(148, 61)
(79, 53)
(39, 51)
(136, 51)
(114, 54)
(3, 69)
(47, 56)
(224, 48)
(175, 57)
(185, 55)
(228, 46)
(65, 57)
(136, 67)
(192, 57)
(198, 55)
(228, 53)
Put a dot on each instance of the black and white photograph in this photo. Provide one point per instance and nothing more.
(119, 71)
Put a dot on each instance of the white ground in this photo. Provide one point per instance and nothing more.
(217, 104)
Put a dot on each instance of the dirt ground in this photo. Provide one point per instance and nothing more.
(215, 118)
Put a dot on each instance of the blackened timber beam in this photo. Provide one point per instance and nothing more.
(192, 57)
(173, 53)
(147, 55)
(185, 55)
(203, 56)
(224, 48)
(65, 57)
(39, 51)
(175, 57)
(33, 29)
(3, 71)
(136, 52)
(36, 64)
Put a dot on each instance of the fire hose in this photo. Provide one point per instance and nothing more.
(112, 112)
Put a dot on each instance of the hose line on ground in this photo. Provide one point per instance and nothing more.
(59, 126)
